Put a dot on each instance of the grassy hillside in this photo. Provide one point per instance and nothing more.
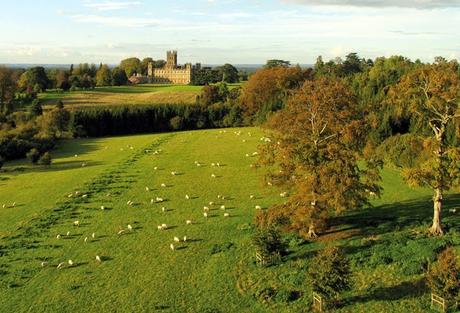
(136, 94)
(214, 270)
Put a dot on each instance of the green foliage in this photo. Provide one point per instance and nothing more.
(268, 241)
(218, 248)
(103, 76)
(277, 63)
(2, 161)
(45, 159)
(403, 150)
(36, 108)
(330, 272)
(228, 73)
(131, 66)
(443, 277)
(33, 155)
(119, 77)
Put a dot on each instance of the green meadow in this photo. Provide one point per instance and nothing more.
(214, 270)
(122, 95)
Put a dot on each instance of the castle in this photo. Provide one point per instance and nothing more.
(171, 72)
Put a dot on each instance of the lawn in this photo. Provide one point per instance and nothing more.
(131, 95)
(214, 270)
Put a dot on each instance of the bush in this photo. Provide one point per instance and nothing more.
(33, 155)
(268, 242)
(177, 123)
(45, 159)
(330, 272)
(443, 277)
(2, 161)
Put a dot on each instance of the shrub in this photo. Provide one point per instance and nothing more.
(330, 272)
(177, 123)
(268, 242)
(45, 159)
(443, 277)
(2, 161)
(33, 155)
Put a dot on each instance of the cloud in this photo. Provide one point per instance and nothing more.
(110, 5)
(115, 21)
(414, 4)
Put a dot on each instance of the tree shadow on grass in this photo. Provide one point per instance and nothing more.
(399, 215)
(404, 290)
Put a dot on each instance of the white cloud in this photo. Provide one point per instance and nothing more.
(110, 5)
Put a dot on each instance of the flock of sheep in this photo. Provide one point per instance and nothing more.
(177, 240)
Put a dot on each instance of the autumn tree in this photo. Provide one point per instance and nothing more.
(268, 89)
(312, 151)
(431, 93)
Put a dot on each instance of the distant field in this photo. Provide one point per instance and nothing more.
(120, 95)
(214, 271)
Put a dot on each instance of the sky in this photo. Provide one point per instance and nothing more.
(226, 31)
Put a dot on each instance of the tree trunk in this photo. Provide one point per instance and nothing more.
(311, 231)
(436, 228)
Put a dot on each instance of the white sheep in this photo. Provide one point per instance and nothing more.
(76, 223)
(98, 258)
(185, 238)
(70, 262)
(171, 246)
(121, 231)
(226, 214)
(68, 233)
(44, 263)
(222, 207)
(173, 173)
(163, 209)
(86, 239)
(188, 222)
(452, 210)
(155, 168)
(152, 201)
(176, 239)
(102, 207)
(164, 226)
(147, 189)
(251, 197)
(163, 185)
(158, 199)
(187, 197)
(206, 209)
(205, 214)
(58, 236)
(93, 235)
(213, 175)
(258, 207)
(211, 203)
(283, 194)
(84, 196)
(159, 227)
(130, 228)
(60, 265)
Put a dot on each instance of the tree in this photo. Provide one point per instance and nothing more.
(119, 77)
(443, 277)
(330, 272)
(431, 93)
(228, 73)
(7, 88)
(36, 108)
(103, 76)
(131, 66)
(312, 151)
(268, 241)
(33, 155)
(34, 78)
(277, 63)
(145, 65)
(62, 80)
(45, 159)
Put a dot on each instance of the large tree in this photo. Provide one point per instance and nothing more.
(431, 94)
(34, 79)
(312, 151)
(103, 76)
(7, 88)
(228, 73)
(131, 66)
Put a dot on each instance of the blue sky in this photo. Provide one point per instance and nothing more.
(218, 31)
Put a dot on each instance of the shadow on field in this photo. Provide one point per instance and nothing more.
(404, 290)
(390, 217)
(60, 166)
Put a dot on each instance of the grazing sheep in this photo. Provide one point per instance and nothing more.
(163, 209)
(98, 258)
(176, 239)
(255, 153)
(188, 222)
(86, 239)
(187, 197)
(258, 207)
(222, 207)
(76, 155)
(211, 203)
(83, 164)
(251, 197)
(163, 185)
(130, 228)
(219, 196)
(269, 184)
(44, 263)
(14, 204)
(226, 214)
(206, 209)
(68, 233)
(173, 173)
(171, 246)
(218, 164)
(147, 189)
(93, 235)
(198, 164)
(247, 154)
(213, 164)
(121, 232)
(283, 194)
(205, 214)
(213, 175)
(185, 238)
(152, 201)
(158, 199)
(164, 226)
(85, 196)
(58, 236)
(76, 223)
(159, 227)
(102, 207)
(452, 210)
(60, 265)
(155, 168)
(70, 262)
(4, 205)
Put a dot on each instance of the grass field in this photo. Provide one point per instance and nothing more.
(136, 94)
(214, 270)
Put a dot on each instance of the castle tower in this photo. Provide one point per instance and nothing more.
(171, 59)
